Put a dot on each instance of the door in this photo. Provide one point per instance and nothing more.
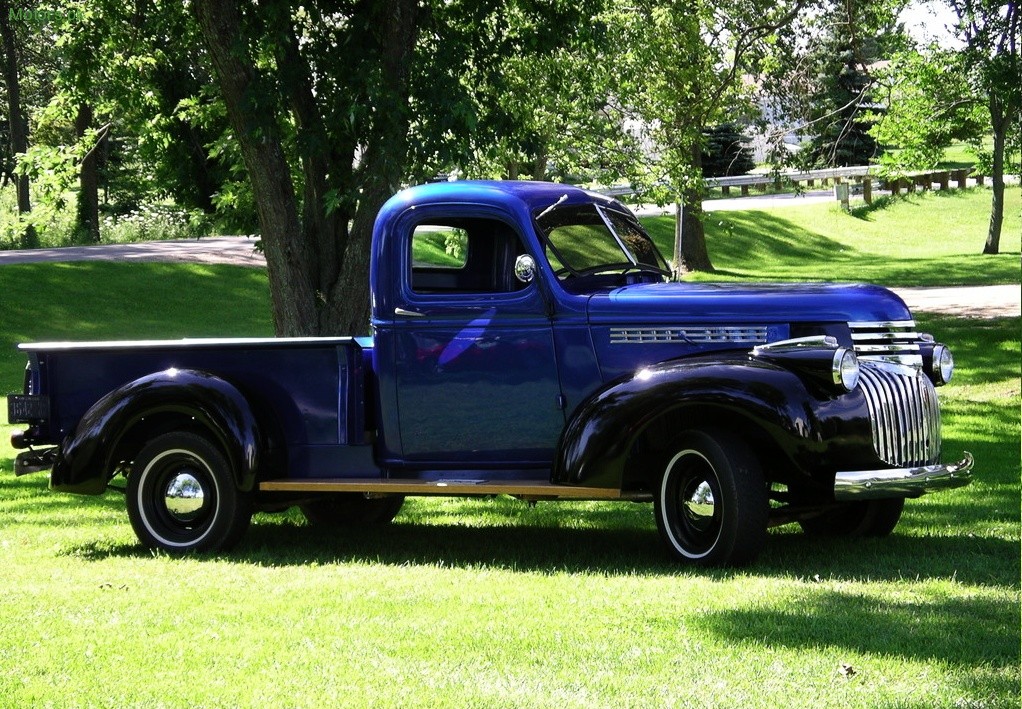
(476, 374)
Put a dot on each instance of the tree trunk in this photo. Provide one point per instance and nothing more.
(289, 258)
(382, 169)
(87, 214)
(690, 252)
(539, 165)
(318, 269)
(17, 121)
(1000, 120)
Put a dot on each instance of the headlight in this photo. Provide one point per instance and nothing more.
(845, 368)
(943, 365)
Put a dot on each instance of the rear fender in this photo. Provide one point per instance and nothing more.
(739, 393)
(89, 455)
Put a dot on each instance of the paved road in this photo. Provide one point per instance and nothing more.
(236, 250)
(978, 301)
(966, 301)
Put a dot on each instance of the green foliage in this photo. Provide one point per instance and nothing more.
(725, 152)
(139, 71)
(530, 102)
(668, 78)
(56, 227)
(52, 226)
(930, 105)
(154, 223)
(818, 81)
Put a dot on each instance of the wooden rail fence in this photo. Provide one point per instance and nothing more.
(860, 177)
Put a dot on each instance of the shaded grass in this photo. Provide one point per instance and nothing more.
(924, 239)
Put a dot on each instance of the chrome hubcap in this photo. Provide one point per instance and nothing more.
(184, 497)
(698, 505)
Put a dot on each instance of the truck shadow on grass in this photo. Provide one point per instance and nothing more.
(505, 534)
(620, 550)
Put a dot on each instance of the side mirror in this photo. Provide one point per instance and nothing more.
(525, 268)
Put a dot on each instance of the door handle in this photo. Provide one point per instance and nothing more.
(408, 313)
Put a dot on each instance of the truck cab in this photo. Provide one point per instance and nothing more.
(527, 339)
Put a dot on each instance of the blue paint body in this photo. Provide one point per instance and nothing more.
(523, 380)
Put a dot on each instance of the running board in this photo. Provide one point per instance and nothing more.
(527, 489)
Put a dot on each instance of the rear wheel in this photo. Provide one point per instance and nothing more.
(182, 496)
(711, 506)
(869, 518)
(352, 510)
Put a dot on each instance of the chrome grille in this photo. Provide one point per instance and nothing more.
(892, 341)
(904, 415)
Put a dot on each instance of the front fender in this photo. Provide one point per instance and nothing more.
(806, 428)
(87, 456)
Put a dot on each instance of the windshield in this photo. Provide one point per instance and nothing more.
(589, 238)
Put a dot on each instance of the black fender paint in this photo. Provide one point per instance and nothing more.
(815, 430)
(86, 460)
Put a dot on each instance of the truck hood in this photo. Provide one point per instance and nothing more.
(721, 303)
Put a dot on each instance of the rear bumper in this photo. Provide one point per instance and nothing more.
(34, 461)
(901, 482)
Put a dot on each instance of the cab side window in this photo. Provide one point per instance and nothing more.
(455, 256)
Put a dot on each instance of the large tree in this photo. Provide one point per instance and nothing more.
(316, 243)
(334, 106)
(941, 94)
(684, 68)
(992, 33)
(17, 121)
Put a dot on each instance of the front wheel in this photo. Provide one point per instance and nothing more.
(711, 506)
(182, 496)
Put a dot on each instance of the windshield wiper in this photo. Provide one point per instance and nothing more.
(617, 237)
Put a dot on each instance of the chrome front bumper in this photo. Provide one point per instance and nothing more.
(901, 482)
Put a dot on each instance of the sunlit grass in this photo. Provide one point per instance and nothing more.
(924, 239)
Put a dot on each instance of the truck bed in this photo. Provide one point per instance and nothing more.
(313, 390)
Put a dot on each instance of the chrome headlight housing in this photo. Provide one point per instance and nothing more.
(943, 365)
(845, 368)
(819, 358)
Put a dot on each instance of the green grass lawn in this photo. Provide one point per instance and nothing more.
(925, 239)
(496, 603)
(99, 300)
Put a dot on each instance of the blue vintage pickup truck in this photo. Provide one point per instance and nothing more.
(527, 341)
